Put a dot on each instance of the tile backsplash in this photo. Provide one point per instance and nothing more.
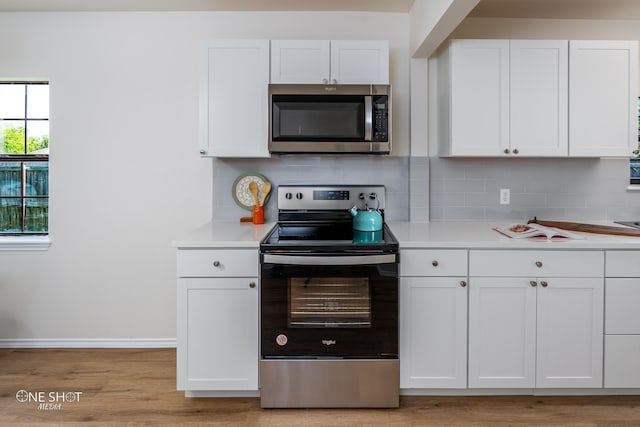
(563, 189)
(390, 171)
(421, 188)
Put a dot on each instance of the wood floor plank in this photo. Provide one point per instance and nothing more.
(138, 387)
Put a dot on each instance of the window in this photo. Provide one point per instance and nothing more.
(634, 162)
(24, 157)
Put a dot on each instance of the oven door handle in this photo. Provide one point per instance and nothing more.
(329, 260)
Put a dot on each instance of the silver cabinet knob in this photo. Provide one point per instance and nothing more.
(516, 151)
(252, 285)
(506, 151)
(203, 152)
(636, 152)
(216, 263)
(463, 283)
(333, 81)
(325, 81)
(434, 263)
(544, 284)
(538, 264)
(533, 283)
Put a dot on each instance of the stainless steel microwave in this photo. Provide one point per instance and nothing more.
(329, 118)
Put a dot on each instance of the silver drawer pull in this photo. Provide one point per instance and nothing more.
(538, 263)
(252, 285)
(434, 263)
(216, 263)
(533, 283)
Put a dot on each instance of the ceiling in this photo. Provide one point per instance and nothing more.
(558, 9)
(544, 9)
(223, 5)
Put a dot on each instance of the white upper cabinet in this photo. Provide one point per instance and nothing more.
(504, 98)
(233, 98)
(539, 82)
(474, 96)
(602, 97)
(330, 61)
(300, 61)
(538, 98)
(360, 61)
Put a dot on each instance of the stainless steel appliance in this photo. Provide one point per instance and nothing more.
(329, 303)
(329, 118)
(634, 224)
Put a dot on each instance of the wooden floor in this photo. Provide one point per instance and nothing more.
(137, 387)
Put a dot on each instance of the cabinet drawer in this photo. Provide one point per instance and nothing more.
(524, 263)
(622, 361)
(623, 264)
(433, 262)
(217, 263)
(622, 301)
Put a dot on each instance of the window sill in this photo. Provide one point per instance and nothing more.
(25, 243)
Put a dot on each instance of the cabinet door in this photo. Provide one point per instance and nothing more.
(603, 92)
(622, 302)
(300, 61)
(360, 61)
(539, 97)
(570, 332)
(233, 98)
(622, 361)
(479, 97)
(217, 334)
(502, 329)
(433, 332)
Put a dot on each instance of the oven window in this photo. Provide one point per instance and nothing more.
(329, 302)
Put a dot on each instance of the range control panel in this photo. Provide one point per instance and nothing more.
(330, 197)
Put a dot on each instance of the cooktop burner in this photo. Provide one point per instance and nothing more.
(318, 218)
(337, 235)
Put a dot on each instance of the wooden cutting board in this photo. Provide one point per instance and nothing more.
(589, 228)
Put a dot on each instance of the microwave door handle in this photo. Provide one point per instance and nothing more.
(368, 118)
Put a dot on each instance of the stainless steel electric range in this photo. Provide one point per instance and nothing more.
(329, 303)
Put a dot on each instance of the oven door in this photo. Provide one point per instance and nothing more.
(329, 305)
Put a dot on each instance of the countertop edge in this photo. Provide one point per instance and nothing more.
(481, 235)
(412, 235)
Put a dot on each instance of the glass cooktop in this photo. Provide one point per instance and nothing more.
(326, 234)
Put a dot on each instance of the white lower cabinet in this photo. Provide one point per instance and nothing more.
(537, 331)
(217, 320)
(502, 328)
(622, 320)
(433, 319)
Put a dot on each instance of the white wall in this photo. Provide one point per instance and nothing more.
(125, 175)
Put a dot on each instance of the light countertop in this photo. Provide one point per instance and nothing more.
(435, 234)
(481, 234)
(228, 234)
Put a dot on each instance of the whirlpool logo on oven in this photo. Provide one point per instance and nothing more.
(329, 342)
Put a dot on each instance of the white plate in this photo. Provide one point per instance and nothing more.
(240, 189)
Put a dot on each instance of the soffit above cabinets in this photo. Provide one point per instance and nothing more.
(213, 5)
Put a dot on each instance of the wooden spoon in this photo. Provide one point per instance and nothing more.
(253, 190)
(266, 188)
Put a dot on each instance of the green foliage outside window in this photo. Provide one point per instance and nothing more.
(13, 141)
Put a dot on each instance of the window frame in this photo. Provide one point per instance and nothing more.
(26, 240)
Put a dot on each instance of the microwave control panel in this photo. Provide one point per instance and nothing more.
(380, 118)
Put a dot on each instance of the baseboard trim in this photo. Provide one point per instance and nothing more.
(89, 343)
